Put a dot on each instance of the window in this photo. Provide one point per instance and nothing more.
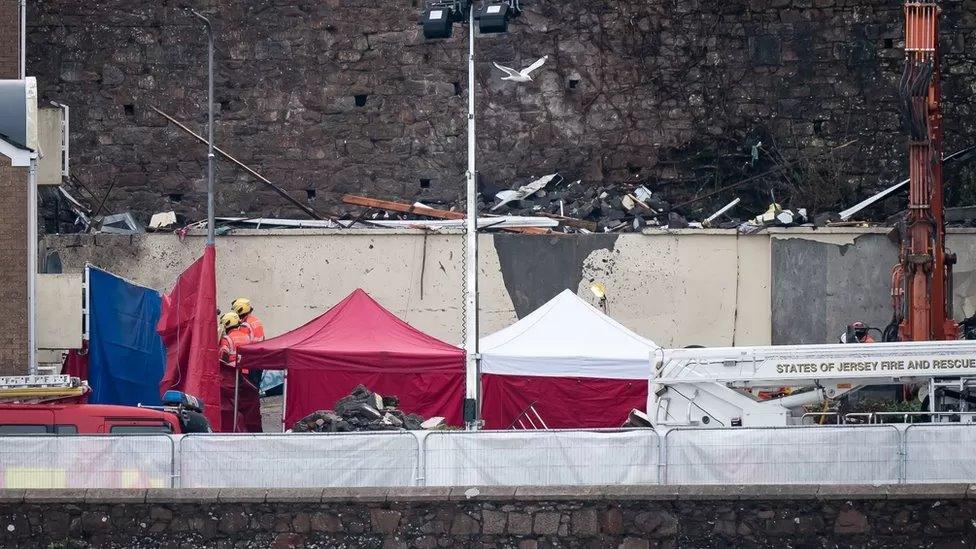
(66, 429)
(23, 429)
(140, 429)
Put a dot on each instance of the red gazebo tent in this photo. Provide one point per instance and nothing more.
(359, 342)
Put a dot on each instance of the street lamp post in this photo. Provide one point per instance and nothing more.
(210, 124)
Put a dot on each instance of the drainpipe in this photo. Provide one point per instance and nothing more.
(32, 267)
(23, 39)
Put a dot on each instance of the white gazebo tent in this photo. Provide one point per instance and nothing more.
(568, 361)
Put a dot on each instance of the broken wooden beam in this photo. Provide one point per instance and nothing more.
(572, 222)
(389, 205)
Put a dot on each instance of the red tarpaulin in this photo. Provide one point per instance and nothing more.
(360, 342)
(561, 402)
(75, 364)
(188, 327)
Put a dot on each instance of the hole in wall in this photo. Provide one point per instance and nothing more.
(175, 197)
(310, 193)
(130, 110)
(424, 183)
(361, 99)
(889, 43)
(457, 88)
(573, 83)
(818, 127)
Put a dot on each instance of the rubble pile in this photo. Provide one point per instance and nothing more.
(604, 208)
(615, 208)
(364, 410)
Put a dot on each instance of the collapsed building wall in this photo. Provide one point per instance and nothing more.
(676, 288)
(332, 97)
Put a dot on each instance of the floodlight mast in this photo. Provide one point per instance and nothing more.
(472, 399)
(437, 21)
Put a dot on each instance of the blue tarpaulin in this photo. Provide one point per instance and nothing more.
(126, 356)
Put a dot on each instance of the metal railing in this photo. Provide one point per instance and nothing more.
(859, 454)
(878, 417)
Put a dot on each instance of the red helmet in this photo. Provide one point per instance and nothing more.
(860, 329)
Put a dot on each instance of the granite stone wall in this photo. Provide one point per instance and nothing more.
(332, 96)
(630, 517)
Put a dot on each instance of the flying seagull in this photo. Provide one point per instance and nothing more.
(522, 75)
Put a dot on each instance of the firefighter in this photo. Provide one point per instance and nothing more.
(250, 321)
(242, 306)
(856, 333)
(235, 336)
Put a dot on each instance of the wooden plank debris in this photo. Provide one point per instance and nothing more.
(389, 205)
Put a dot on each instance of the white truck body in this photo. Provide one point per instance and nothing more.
(708, 386)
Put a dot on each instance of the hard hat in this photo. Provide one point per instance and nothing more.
(241, 306)
(599, 290)
(230, 320)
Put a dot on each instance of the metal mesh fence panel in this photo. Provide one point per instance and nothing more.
(78, 461)
(296, 461)
(541, 458)
(801, 455)
(940, 453)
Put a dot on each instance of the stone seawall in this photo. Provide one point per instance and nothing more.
(525, 518)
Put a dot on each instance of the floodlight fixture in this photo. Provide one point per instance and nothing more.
(439, 16)
(494, 15)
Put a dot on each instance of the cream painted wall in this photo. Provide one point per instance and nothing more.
(684, 289)
(59, 310)
(676, 289)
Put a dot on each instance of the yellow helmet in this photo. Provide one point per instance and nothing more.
(230, 320)
(241, 306)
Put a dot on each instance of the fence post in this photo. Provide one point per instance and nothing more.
(662, 457)
(421, 438)
(173, 476)
(903, 450)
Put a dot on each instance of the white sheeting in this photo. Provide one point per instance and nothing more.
(802, 455)
(298, 460)
(541, 458)
(795, 455)
(86, 461)
(940, 453)
(567, 337)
